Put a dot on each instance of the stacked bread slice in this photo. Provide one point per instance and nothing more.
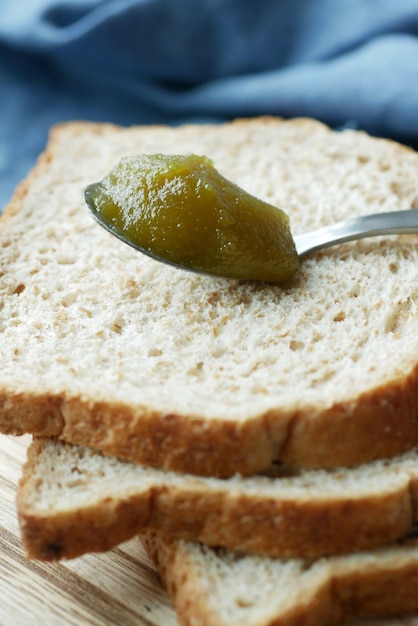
(260, 438)
(73, 499)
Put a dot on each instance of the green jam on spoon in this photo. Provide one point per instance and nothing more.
(180, 210)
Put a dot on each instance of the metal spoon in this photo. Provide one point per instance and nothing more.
(390, 223)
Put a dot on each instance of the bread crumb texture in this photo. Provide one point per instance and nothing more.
(61, 477)
(85, 316)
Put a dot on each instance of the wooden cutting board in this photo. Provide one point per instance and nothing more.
(118, 588)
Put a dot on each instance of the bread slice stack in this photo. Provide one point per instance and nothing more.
(262, 439)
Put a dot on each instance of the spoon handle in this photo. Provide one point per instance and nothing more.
(391, 223)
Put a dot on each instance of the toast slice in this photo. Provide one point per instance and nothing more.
(216, 587)
(73, 500)
(107, 348)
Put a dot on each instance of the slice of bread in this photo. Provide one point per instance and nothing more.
(73, 500)
(105, 347)
(215, 587)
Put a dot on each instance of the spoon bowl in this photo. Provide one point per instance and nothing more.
(377, 224)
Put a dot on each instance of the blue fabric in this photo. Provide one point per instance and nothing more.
(346, 62)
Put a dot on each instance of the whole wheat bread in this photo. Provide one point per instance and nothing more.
(211, 587)
(73, 500)
(105, 347)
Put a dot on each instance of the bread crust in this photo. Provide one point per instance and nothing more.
(310, 523)
(180, 582)
(379, 423)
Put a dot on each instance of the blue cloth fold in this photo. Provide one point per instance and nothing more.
(352, 62)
